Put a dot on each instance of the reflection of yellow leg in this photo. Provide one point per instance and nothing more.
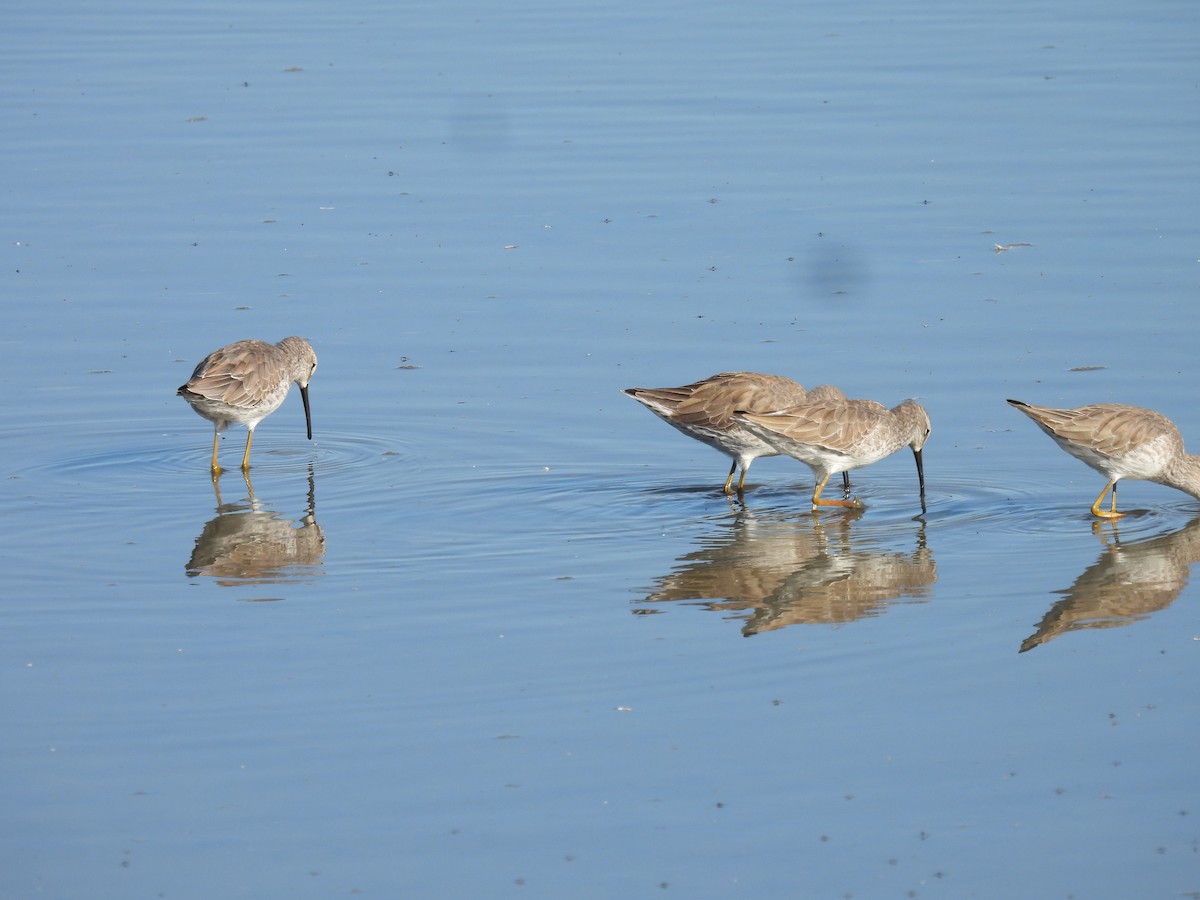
(729, 480)
(246, 458)
(817, 501)
(216, 469)
(1111, 513)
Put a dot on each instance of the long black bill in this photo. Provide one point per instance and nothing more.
(308, 415)
(920, 477)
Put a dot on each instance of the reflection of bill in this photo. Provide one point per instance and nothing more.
(797, 575)
(1127, 583)
(248, 544)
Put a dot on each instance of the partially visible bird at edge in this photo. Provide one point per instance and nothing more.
(1120, 441)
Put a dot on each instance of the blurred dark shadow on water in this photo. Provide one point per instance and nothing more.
(832, 271)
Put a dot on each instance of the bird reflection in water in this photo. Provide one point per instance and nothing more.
(1127, 583)
(248, 544)
(797, 573)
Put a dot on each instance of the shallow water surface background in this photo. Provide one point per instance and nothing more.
(496, 630)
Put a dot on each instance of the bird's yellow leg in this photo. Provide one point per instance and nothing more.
(246, 457)
(1111, 512)
(216, 468)
(742, 480)
(729, 480)
(818, 502)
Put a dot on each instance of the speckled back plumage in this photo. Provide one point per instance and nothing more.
(833, 435)
(1104, 434)
(711, 402)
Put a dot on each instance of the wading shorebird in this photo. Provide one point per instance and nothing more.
(245, 382)
(837, 435)
(1120, 442)
(704, 410)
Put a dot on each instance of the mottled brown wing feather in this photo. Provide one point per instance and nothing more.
(1108, 428)
(241, 374)
(838, 425)
(712, 401)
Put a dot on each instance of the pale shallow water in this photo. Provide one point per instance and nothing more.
(496, 629)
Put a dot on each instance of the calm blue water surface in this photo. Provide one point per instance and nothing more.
(496, 630)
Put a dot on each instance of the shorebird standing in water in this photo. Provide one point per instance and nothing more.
(704, 410)
(1120, 442)
(245, 382)
(837, 435)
